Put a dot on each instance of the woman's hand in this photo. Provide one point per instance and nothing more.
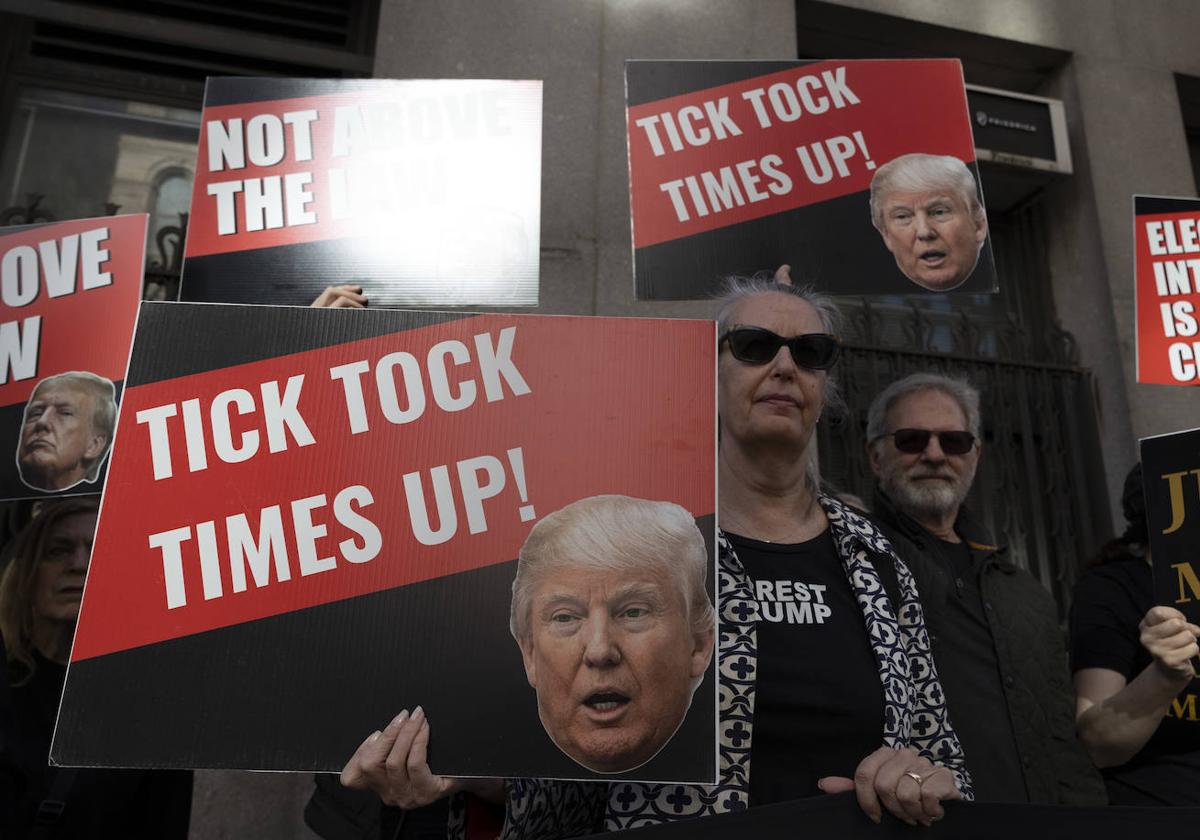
(1168, 636)
(341, 297)
(910, 786)
(393, 763)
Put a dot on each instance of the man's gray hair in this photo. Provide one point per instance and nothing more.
(615, 533)
(737, 288)
(959, 390)
(104, 407)
(919, 172)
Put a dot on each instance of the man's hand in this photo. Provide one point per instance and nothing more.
(393, 764)
(1168, 636)
(911, 787)
(341, 297)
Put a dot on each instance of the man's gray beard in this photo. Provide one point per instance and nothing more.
(927, 497)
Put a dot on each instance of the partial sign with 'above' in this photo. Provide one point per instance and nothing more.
(70, 293)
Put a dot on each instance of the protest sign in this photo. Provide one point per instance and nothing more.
(1171, 480)
(1167, 272)
(70, 293)
(312, 522)
(739, 166)
(421, 191)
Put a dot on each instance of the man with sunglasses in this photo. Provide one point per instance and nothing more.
(994, 629)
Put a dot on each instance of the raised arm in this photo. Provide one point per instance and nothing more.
(1116, 718)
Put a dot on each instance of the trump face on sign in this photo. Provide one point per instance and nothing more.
(927, 209)
(615, 626)
(66, 430)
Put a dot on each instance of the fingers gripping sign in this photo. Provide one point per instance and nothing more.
(393, 763)
(908, 785)
(347, 296)
(1170, 638)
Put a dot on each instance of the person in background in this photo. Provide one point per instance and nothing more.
(817, 693)
(1135, 679)
(995, 630)
(40, 593)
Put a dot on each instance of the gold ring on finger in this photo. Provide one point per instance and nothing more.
(915, 776)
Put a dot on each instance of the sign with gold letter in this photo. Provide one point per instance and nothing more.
(1171, 476)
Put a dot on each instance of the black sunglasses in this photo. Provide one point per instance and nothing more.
(757, 346)
(914, 441)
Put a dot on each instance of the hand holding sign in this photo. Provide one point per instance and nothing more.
(1170, 638)
(341, 297)
(393, 763)
(909, 785)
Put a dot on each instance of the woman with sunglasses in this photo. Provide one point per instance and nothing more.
(840, 695)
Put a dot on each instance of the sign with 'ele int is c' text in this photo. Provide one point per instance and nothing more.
(69, 295)
(316, 518)
(1166, 235)
(423, 192)
(859, 174)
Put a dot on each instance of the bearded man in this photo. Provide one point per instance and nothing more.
(994, 629)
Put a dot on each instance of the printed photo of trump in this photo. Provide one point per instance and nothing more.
(615, 626)
(927, 209)
(66, 431)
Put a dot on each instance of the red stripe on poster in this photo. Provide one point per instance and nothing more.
(1168, 296)
(724, 155)
(392, 460)
(70, 299)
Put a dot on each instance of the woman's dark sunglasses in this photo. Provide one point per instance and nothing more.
(757, 346)
(914, 441)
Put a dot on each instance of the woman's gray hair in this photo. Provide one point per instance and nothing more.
(737, 288)
(615, 533)
(919, 172)
(959, 390)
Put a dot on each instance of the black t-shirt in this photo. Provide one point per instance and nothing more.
(1110, 601)
(818, 700)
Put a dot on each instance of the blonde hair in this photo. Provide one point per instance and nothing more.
(615, 533)
(919, 172)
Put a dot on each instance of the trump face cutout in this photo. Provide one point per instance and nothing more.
(611, 637)
(927, 210)
(66, 431)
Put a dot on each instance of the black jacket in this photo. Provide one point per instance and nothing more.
(1029, 665)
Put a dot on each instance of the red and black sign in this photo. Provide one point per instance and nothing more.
(421, 191)
(69, 295)
(737, 167)
(1166, 235)
(313, 516)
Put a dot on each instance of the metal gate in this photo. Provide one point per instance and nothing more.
(1041, 484)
